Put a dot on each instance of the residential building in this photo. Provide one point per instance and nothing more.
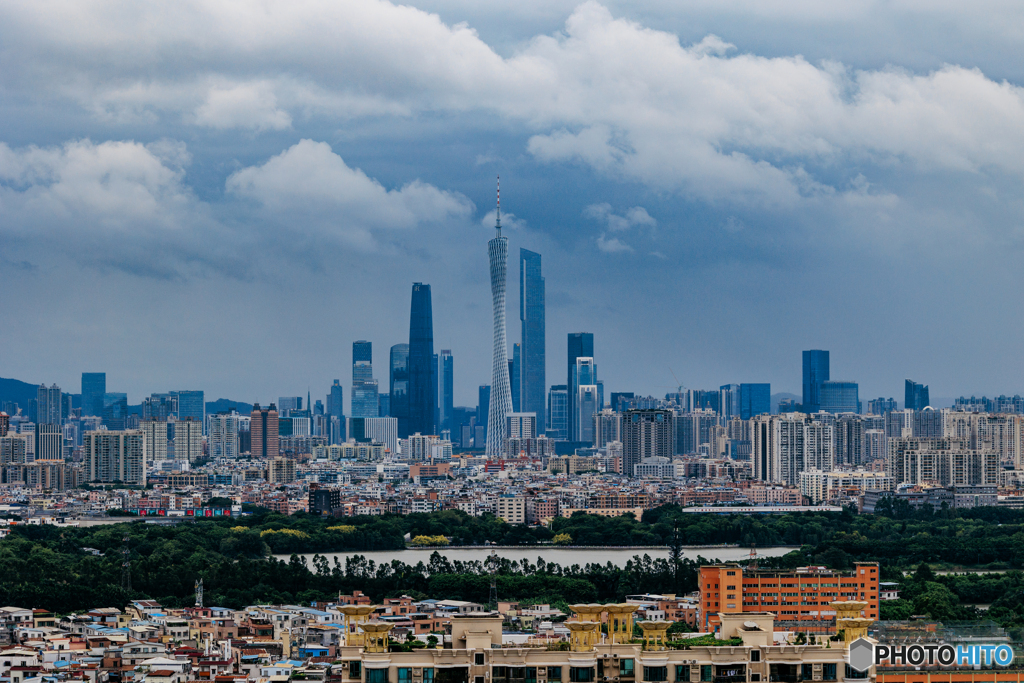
(280, 470)
(188, 439)
(785, 445)
(646, 434)
(155, 433)
(224, 435)
(50, 405)
(941, 461)
(112, 456)
(511, 508)
(263, 429)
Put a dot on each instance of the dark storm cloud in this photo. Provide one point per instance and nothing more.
(277, 177)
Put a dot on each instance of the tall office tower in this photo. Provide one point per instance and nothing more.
(533, 366)
(706, 400)
(607, 427)
(115, 455)
(446, 388)
(483, 407)
(191, 404)
(515, 375)
(156, 438)
(286, 404)
(421, 357)
(188, 439)
(786, 445)
(399, 387)
(755, 399)
(383, 405)
(115, 410)
(224, 435)
(336, 409)
(263, 428)
(436, 392)
(815, 374)
(580, 345)
(646, 434)
(94, 385)
(49, 442)
(558, 413)
(839, 397)
(365, 401)
(881, 406)
(501, 391)
(915, 396)
(159, 406)
(49, 405)
(587, 399)
(730, 401)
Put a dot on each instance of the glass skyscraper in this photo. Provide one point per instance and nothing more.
(558, 410)
(840, 397)
(915, 396)
(580, 345)
(446, 387)
(515, 371)
(755, 399)
(399, 387)
(192, 404)
(365, 402)
(94, 385)
(532, 367)
(815, 374)
(115, 410)
(421, 361)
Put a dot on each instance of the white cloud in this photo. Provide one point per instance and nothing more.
(308, 186)
(243, 105)
(612, 245)
(633, 217)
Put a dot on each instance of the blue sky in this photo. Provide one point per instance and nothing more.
(222, 196)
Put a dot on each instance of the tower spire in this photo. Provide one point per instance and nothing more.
(497, 223)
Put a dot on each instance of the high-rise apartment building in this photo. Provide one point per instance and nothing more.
(5, 423)
(375, 430)
(446, 390)
(580, 345)
(94, 386)
(607, 427)
(881, 406)
(263, 431)
(521, 426)
(839, 397)
(646, 434)
(280, 470)
(915, 396)
(944, 461)
(156, 436)
(188, 439)
(785, 445)
(49, 405)
(224, 435)
(695, 429)
(816, 366)
(533, 369)
(558, 413)
(754, 399)
(49, 442)
(115, 455)
(421, 362)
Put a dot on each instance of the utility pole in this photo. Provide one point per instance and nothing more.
(199, 593)
(493, 601)
(126, 565)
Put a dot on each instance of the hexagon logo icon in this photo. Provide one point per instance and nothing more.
(862, 654)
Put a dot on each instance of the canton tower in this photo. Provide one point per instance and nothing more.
(501, 391)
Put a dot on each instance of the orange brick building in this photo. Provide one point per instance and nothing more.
(799, 599)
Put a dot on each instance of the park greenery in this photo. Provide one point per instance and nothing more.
(66, 569)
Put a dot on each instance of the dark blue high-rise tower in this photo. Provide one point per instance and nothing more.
(815, 374)
(532, 367)
(581, 345)
(422, 394)
(94, 385)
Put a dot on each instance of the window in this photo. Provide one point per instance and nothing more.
(404, 674)
(554, 673)
(755, 655)
(376, 676)
(828, 672)
(355, 669)
(807, 672)
(755, 678)
(682, 673)
(581, 674)
(853, 673)
(428, 675)
(627, 667)
(705, 673)
(478, 658)
(656, 674)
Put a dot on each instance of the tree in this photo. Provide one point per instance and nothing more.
(562, 539)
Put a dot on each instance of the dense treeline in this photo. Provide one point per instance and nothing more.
(49, 567)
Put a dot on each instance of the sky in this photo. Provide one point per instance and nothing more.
(224, 195)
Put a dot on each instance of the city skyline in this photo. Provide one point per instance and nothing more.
(715, 245)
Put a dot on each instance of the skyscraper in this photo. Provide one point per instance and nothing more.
(111, 456)
(532, 367)
(263, 429)
(365, 402)
(558, 413)
(191, 404)
(840, 397)
(436, 392)
(399, 387)
(421, 358)
(915, 396)
(587, 399)
(580, 344)
(483, 407)
(115, 410)
(49, 405)
(336, 412)
(501, 392)
(755, 399)
(446, 387)
(94, 385)
(815, 374)
(224, 435)
(515, 375)
(646, 434)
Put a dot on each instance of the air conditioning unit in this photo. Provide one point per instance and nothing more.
(615, 656)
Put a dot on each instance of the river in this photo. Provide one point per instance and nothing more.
(562, 556)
